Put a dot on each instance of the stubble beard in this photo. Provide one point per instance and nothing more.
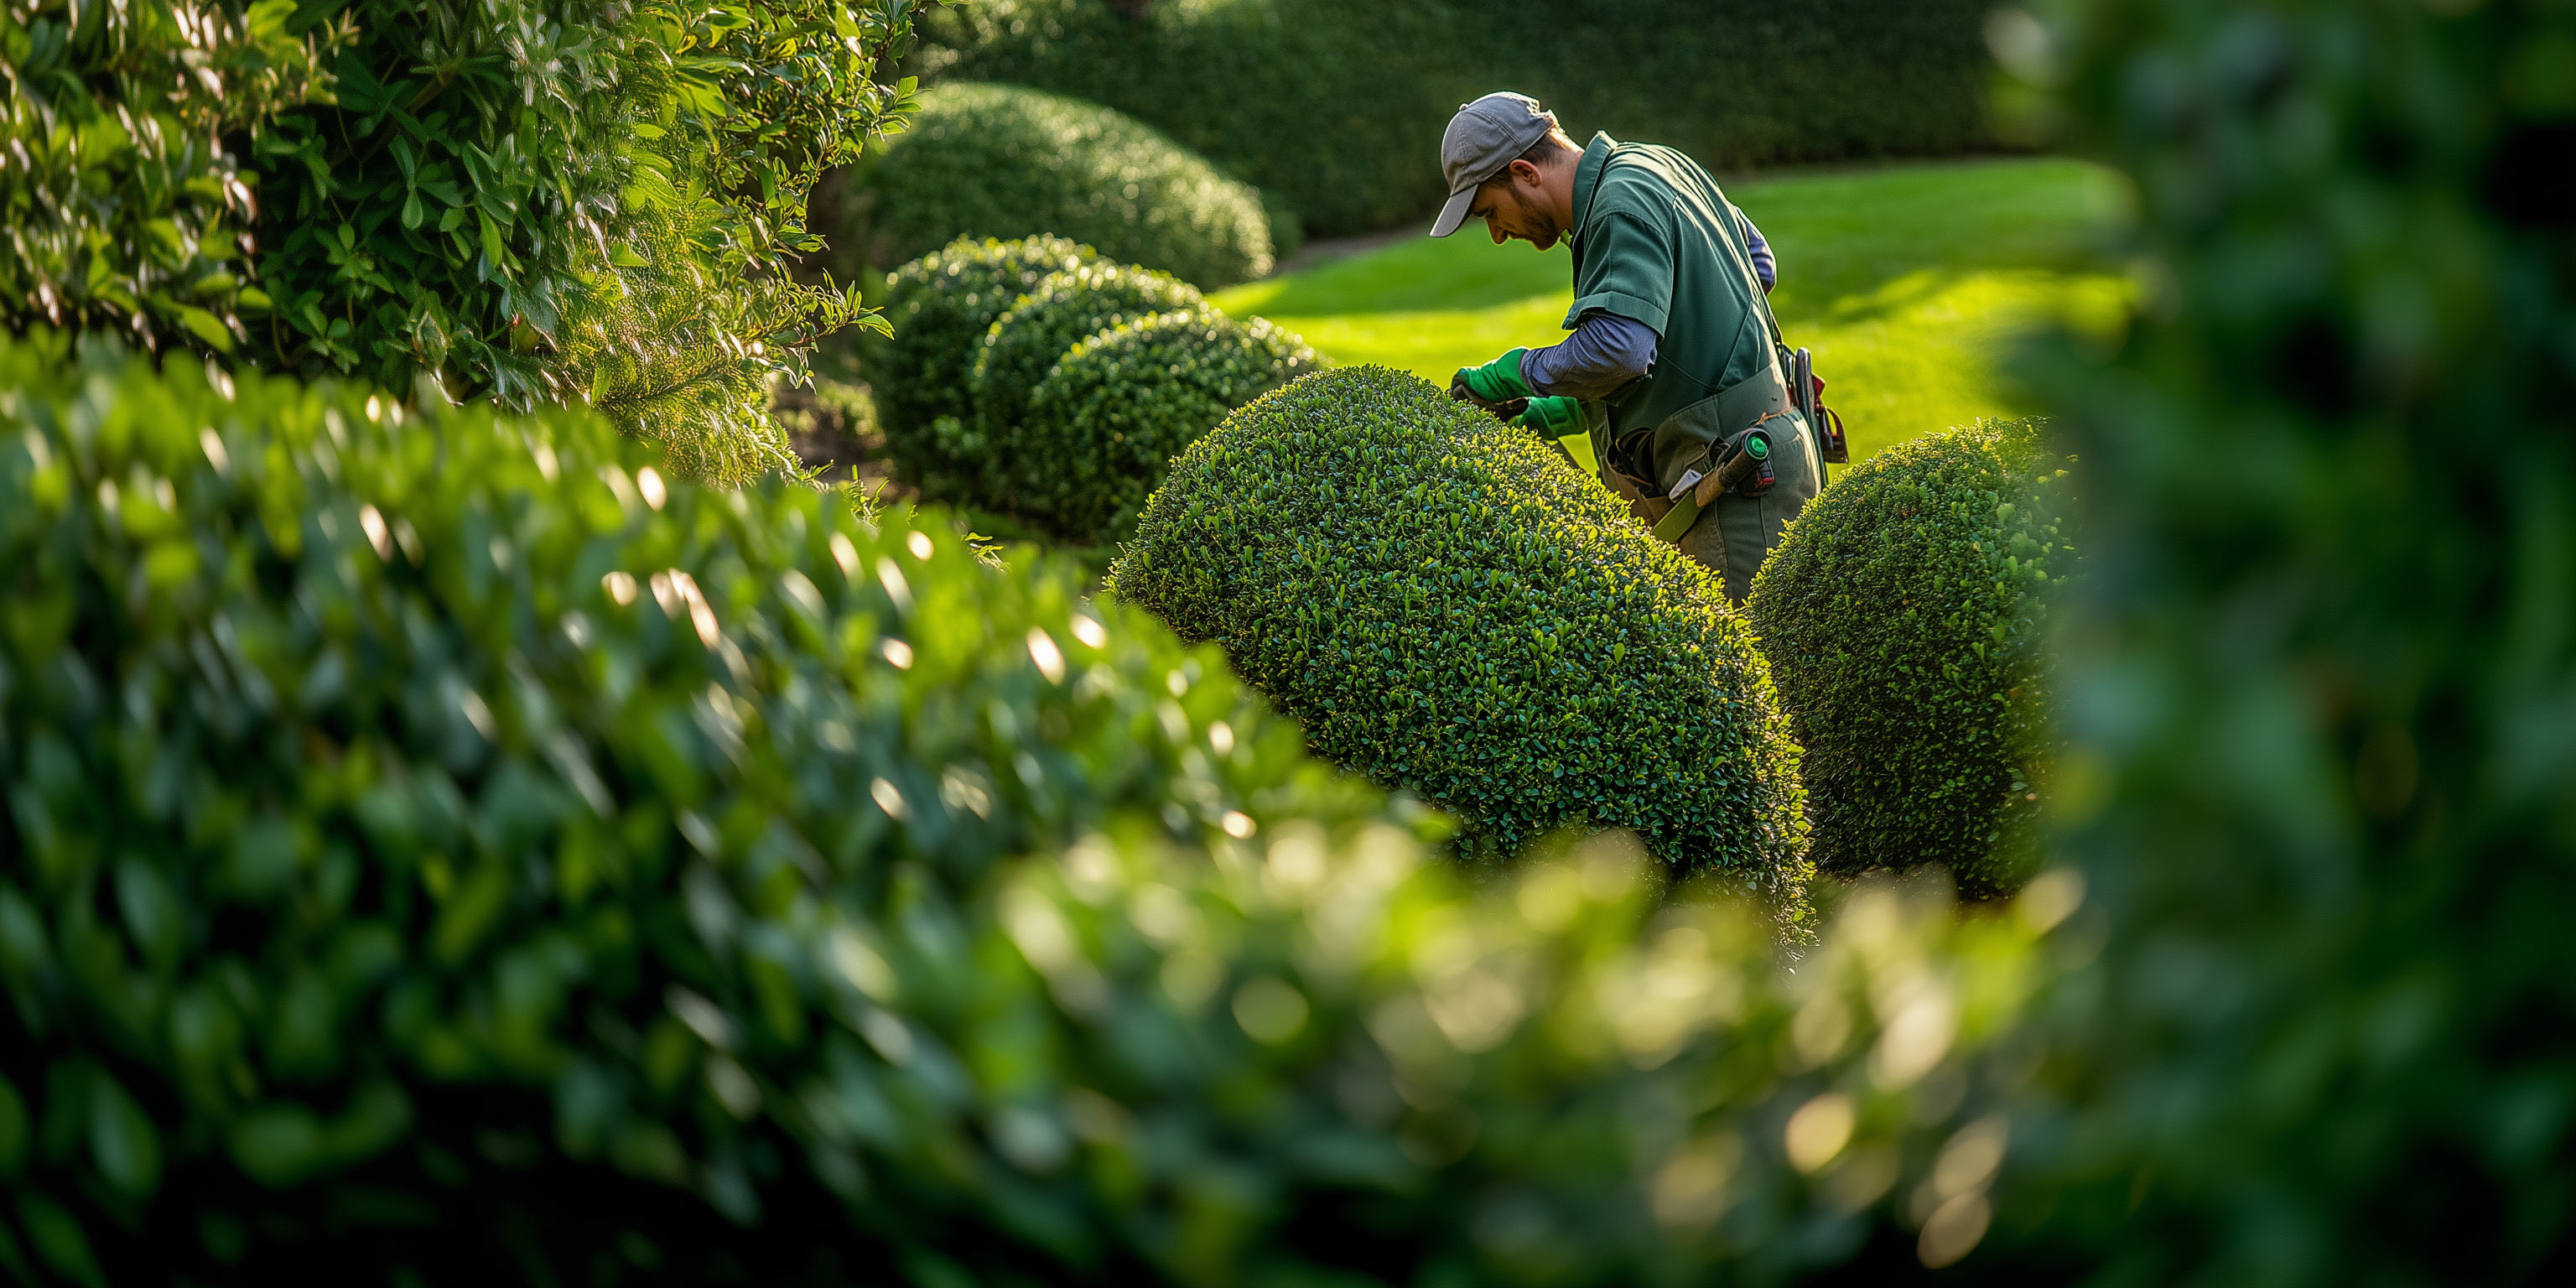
(1543, 234)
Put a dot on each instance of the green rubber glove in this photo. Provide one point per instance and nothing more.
(1553, 417)
(1498, 381)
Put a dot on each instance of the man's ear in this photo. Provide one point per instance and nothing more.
(1527, 175)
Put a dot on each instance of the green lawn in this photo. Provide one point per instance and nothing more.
(1906, 280)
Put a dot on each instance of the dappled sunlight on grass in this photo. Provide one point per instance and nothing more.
(1908, 281)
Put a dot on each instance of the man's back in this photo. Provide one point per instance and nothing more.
(1656, 240)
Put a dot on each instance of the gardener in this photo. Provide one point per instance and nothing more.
(1674, 364)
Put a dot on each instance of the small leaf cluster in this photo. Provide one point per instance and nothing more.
(940, 307)
(1001, 161)
(1106, 421)
(1452, 612)
(1906, 617)
(438, 848)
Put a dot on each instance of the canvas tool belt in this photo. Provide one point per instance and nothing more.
(1691, 446)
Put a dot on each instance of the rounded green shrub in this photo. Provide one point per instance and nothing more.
(1024, 344)
(1108, 418)
(940, 306)
(435, 848)
(1452, 612)
(1001, 161)
(1905, 617)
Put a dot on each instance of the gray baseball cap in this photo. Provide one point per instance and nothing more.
(1483, 137)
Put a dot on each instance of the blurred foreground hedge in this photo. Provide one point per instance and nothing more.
(2320, 676)
(437, 846)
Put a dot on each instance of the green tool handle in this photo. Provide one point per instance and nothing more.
(1739, 467)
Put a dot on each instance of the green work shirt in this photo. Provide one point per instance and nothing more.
(1655, 241)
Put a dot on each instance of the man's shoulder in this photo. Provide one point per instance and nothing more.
(1645, 177)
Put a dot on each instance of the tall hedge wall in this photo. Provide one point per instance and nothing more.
(435, 848)
(1338, 108)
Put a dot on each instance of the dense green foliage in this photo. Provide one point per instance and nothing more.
(1905, 619)
(941, 305)
(2316, 681)
(536, 202)
(436, 848)
(1106, 421)
(999, 161)
(1338, 108)
(124, 206)
(1450, 610)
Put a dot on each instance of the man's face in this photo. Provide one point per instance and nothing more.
(1510, 209)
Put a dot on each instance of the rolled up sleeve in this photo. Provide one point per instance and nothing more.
(1627, 271)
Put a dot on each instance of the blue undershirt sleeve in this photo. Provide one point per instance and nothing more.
(1763, 265)
(1605, 352)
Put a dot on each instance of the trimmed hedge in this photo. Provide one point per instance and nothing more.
(1000, 161)
(1024, 344)
(1103, 426)
(941, 305)
(1452, 612)
(1905, 619)
(1338, 108)
(435, 849)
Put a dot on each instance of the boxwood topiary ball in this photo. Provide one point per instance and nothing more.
(940, 306)
(1453, 612)
(1001, 161)
(1106, 421)
(1905, 618)
(1022, 345)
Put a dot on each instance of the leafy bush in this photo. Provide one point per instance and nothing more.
(941, 305)
(1018, 351)
(434, 847)
(1106, 421)
(1451, 611)
(2315, 687)
(1338, 108)
(122, 206)
(1904, 619)
(999, 161)
(533, 202)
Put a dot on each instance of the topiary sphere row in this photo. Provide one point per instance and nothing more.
(961, 409)
(1115, 409)
(1059, 312)
(1905, 618)
(940, 306)
(1000, 161)
(1452, 612)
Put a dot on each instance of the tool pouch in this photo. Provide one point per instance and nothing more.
(1807, 394)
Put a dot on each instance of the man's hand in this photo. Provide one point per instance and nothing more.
(1553, 417)
(1493, 384)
